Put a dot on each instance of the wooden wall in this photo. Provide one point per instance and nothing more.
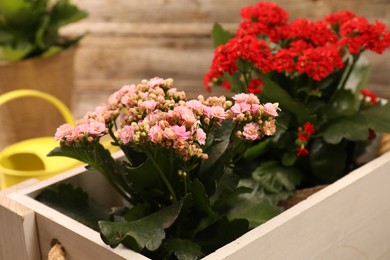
(129, 40)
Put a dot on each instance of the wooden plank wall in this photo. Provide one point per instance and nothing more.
(129, 40)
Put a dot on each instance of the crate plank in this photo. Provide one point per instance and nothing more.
(346, 220)
(18, 238)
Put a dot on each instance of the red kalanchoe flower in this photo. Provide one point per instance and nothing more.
(367, 93)
(317, 33)
(247, 48)
(304, 137)
(309, 128)
(301, 151)
(379, 37)
(255, 86)
(285, 58)
(263, 18)
(339, 18)
(319, 62)
(358, 34)
(304, 134)
(226, 85)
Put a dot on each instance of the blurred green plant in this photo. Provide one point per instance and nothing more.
(30, 28)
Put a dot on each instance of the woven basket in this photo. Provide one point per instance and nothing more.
(29, 117)
(300, 195)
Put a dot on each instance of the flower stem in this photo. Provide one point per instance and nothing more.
(163, 177)
(344, 80)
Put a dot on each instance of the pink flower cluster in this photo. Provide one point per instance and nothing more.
(86, 129)
(258, 120)
(154, 114)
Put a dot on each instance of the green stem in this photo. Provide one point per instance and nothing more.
(344, 80)
(163, 177)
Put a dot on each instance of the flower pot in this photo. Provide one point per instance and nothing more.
(29, 118)
(345, 220)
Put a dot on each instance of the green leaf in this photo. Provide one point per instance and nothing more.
(219, 153)
(274, 93)
(378, 118)
(276, 178)
(344, 104)
(63, 13)
(148, 232)
(359, 76)
(327, 161)
(200, 197)
(256, 150)
(219, 35)
(289, 158)
(97, 157)
(228, 182)
(352, 128)
(137, 211)
(237, 86)
(75, 203)
(221, 232)
(41, 31)
(12, 7)
(9, 53)
(183, 249)
(35, 24)
(51, 51)
(255, 212)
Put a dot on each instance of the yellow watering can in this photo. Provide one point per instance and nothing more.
(27, 159)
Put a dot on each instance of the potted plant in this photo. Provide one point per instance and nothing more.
(317, 73)
(177, 178)
(34, 54)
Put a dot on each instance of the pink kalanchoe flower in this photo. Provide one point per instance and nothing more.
(186, 114)
(156, 134)
(241, 98)
(181, 132)
(270, 109)
(194, 104)
(201, 136)
(255, 108)
(97, 128)
(156, 81)
(82, 128)
(240, 107)
(63, 131)
(269, 127)
(169, 133)
(215, 112)
(126, 134)
(149, 104)
(251, 131)
(102, 114)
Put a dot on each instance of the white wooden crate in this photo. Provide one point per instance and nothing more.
(346, 220)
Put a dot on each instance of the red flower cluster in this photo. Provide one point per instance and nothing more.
(263, 18)
(370, 95)
(304, 134)
(247, 48)
(269, 43)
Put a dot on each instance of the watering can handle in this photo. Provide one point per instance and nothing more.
(4, 98)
